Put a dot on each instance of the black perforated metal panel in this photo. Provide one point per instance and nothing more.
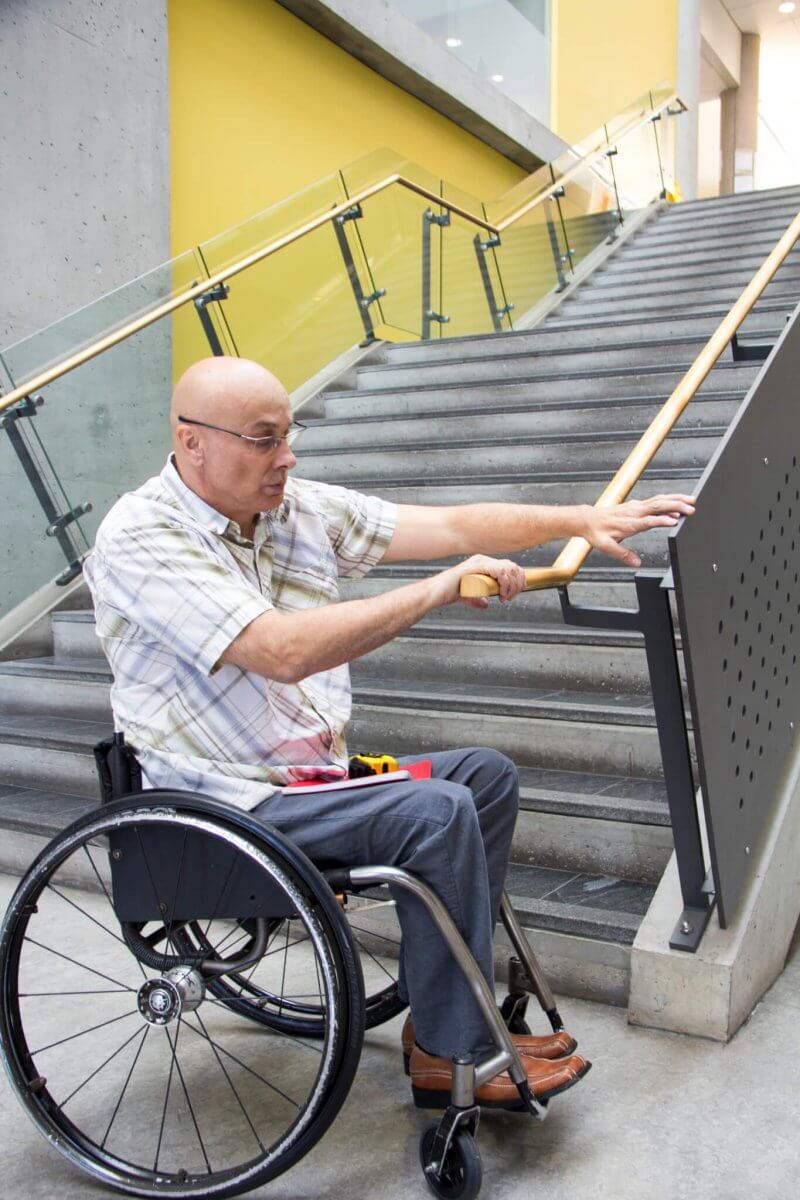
(737, 578)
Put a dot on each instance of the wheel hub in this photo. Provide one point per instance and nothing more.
(162, 1000)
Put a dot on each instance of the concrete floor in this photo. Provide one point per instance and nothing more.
(661, 1117)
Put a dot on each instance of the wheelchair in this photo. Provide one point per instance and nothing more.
(183, 1000)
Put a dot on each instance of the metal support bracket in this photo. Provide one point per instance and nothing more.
(452, 1119)
(362, 298)
(653, 618)
(497, 313)
(57, 522)
(559, 257)
(429, 314)
(220, 292)
(752, 352)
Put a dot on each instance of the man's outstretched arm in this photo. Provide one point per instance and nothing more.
(426, 532)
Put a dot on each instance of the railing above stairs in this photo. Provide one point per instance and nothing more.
(381, 248)
(732, 622)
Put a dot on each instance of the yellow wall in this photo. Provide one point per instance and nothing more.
(606, 53)
(261, 105)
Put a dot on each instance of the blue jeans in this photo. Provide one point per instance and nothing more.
(453, 831)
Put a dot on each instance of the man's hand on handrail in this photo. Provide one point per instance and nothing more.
(607, 527)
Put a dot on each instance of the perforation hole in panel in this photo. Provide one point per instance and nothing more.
(757, 646)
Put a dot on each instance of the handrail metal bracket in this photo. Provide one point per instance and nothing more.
(653, 619)
(750, 352)
(496, 311)
(429, 314)
(57, 522)
(363, 299)
(220, 291)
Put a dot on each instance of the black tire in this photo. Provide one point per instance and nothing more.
(36, 944)
(462, 1173)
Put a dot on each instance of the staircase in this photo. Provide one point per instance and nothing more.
(541, 416)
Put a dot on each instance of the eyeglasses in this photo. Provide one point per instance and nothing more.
(265, 444)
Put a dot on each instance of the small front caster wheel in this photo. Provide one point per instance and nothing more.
(461, 1175)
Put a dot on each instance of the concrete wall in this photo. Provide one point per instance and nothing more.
(84, 207)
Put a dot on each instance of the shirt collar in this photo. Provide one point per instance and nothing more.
(210, 517)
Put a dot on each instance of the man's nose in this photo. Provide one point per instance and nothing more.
(285, 459)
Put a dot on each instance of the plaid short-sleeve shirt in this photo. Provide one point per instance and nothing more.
(174, 582)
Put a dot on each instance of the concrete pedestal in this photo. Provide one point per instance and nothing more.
(712, 992)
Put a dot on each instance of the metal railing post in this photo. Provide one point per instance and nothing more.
(220, 292)
(481, 248)
(653, 618)
(57, 522)
(363, 301)
(429, 218)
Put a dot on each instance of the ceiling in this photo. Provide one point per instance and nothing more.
(762, 16)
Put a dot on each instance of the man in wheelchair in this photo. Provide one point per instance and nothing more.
(215, 587)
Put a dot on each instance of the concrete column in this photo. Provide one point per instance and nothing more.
(688, 84)
(739, 123)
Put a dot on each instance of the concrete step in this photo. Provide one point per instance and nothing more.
(71, 687)
(597, 303)
(788, 193)
(565, 487)
(685, 448)
(516, 655)
(491, 421)
(765, 317)
(683, 218)
(563, 731)
(683, 264)
(562, 336)
(767, 230)
(531, 364)
(74, 634)
(644, 384)
(40, 752)
(681, 279)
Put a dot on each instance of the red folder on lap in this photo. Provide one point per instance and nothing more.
(415, 770)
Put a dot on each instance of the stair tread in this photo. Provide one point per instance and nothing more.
(617, 708)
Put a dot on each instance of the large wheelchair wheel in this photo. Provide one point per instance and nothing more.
(375, 931)
(111, 1035)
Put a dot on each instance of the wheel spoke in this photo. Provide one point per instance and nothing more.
(128, 1078)
(119, 991)
(231, 1083)
(168, 932)
(81, 1033)
(124, 987)
(377, 962)
(373, 933)
(88, 916)
(97, 1071)
(244, 1065)
(164, 1109)
(186, 1093)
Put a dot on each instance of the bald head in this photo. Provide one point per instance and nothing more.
(231, 474)
(221, 390)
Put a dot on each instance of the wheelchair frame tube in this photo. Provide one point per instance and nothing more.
(507, 1057)
(520, 943)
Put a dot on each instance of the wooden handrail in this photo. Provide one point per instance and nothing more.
(199, 289)
(572, 557)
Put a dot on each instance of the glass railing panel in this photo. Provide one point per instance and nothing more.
(104, 316)
(637, 167)
(102, 430)
(520, 194)
(295, 311)
(531, 259)
(588, 211)
(471, 286)
(279, 220)
(393, 234)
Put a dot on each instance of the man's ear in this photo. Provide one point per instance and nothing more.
(191, 445)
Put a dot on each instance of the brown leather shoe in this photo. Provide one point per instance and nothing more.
(552, 1046)
(431, 1081)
